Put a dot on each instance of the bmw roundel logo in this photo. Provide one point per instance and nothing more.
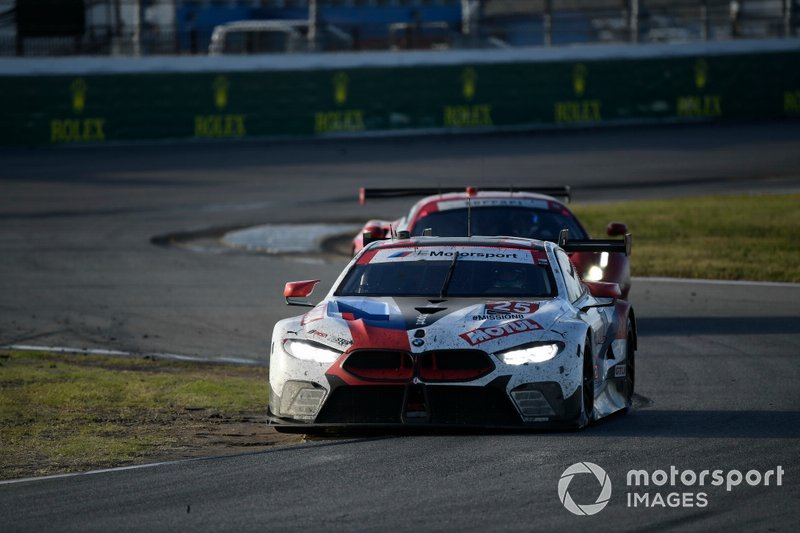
(418, 342)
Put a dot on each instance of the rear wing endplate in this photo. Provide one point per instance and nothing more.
(563, 192)
(594, 245)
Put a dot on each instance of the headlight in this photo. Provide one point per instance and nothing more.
(530, 354)
(595, 273)
(310, 351)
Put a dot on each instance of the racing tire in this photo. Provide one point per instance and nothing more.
(587, 384)
(585, 415)
(630, 368)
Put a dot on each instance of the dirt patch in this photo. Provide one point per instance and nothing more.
(211, 434)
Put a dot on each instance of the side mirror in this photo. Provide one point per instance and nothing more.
(372, 232)
(367, 238)
(616, 228)
(603, 289)
(297, 292)
(608, 292)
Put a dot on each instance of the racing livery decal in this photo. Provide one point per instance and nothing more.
(506, 311)
(491, 202)
(481, 335)
(506, 308)
(506, 255)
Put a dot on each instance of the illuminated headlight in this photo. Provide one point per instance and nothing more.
(310, 351)
(595, 274)
(530, 354)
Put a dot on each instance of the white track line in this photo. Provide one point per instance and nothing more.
(102, 471)
(722, 282)
(118, 353)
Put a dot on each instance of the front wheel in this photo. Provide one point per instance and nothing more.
(630, 367)
(587, 388)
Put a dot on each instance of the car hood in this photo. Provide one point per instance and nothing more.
(423, 324)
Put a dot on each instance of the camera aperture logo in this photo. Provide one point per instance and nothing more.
(663, 488)
(590, 508)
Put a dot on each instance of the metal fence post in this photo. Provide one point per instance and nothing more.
(735, 14)
(704, 19)
(548, 22)
(137, 28)
(313, 25)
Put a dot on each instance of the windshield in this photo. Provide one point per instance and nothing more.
(462, 278)
(527, 222)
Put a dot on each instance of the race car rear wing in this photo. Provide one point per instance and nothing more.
(594, 245)
(563, 192)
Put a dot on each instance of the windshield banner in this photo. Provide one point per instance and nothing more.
(446, 253)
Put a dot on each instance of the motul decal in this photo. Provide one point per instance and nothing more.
(480, 335)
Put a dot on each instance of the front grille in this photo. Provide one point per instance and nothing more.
(380, 365)
(420, 404)
(433, 366)
(480, 406)
(365, 404)
(454, 365)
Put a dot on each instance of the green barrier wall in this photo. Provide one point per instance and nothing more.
(124, 107)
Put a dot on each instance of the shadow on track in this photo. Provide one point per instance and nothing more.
(700, 424)
(718, 325)
(638, 423)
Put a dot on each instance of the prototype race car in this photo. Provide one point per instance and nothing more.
(478, 331)
(531, 212)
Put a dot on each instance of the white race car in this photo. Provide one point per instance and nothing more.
(468, 331)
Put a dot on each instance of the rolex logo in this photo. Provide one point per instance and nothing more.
(220, 86)
(579, 74)
(469, 79)
(700, 74)
(340, 82)
(79, 89)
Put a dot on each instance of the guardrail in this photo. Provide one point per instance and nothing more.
(102, 100)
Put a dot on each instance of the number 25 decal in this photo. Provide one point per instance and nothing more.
(509, 308)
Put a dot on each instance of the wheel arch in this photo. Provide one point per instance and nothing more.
(632, 316)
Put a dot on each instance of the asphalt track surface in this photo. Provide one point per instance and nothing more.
(717, 364)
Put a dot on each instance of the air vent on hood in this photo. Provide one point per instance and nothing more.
(430, 310)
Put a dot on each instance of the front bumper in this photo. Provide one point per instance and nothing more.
(532, 405)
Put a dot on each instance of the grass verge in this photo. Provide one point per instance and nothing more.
(742, 237)
(64, 413)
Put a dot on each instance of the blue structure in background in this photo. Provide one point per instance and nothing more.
(568, 28)
(195, 23)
